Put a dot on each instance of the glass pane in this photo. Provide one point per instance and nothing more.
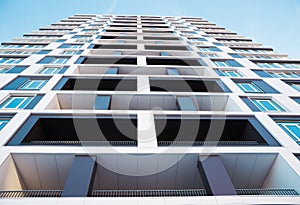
(268, 105)
(49, 70)
(26, 102)
(294, 129)
(3, 123)
(14, 103)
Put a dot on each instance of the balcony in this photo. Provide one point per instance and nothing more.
(213, 103)
(68, 130)
(187, 85)
(108, 60)
(174, 62)
(211, 131)
(133, 70)
(152, 175)
(93, 84)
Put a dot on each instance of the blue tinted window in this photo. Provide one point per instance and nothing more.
(292, 128)
(267, 105)
(3, 122)
(250, 87)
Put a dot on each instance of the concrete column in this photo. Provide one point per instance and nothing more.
(215, 177)
(81, 177)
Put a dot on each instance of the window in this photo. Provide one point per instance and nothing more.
(16, 69)
(3, 122)
(33, 85)
(284, 75)
(15, 102)
(112, 71)
(54, 60)
(268, 65)
(210, 55)
(53, 70)
(234, 55)
(10, 60)
(229, 73)
(292, 128)
(267, 105)
(71, 52)
(74, 46)
(82, 37)
(172, 71)
(249, 87)
(209, 49)
(227, 63)
(296, 86)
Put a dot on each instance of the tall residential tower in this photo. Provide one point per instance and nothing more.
(114, 109)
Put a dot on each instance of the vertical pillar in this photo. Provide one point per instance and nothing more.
(215, 177)
(81, 177)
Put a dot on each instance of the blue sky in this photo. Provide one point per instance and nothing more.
(275, 23)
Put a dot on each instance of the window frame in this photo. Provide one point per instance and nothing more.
(258, 103)
(255, 88)
(22, 104)
(283, 125)
(27, 85)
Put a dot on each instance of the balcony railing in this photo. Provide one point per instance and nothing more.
(30, 193)
(199, 143)
(85, 143)
(147, 193)
(267, 192)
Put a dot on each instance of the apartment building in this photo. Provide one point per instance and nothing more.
(118, 109)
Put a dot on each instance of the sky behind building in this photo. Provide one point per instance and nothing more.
(275, 23)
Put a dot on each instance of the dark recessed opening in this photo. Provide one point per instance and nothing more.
(118, 37)
(120, 25)
(73, 131)
(160, 38)
(172, 61)
(126, 21)
(128, 61)
(120, 31)
(158, 26)
(109, 84)
(187, 85)
(154, 31)
(180, 48)
(109, 46)
(231, 132)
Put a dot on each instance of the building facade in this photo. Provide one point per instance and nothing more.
(147, 110)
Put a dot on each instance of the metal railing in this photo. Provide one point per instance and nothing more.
(146, 193)
(30, 193)
(267, 192)
(191, 143)
(87, 143)
(149, 193)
